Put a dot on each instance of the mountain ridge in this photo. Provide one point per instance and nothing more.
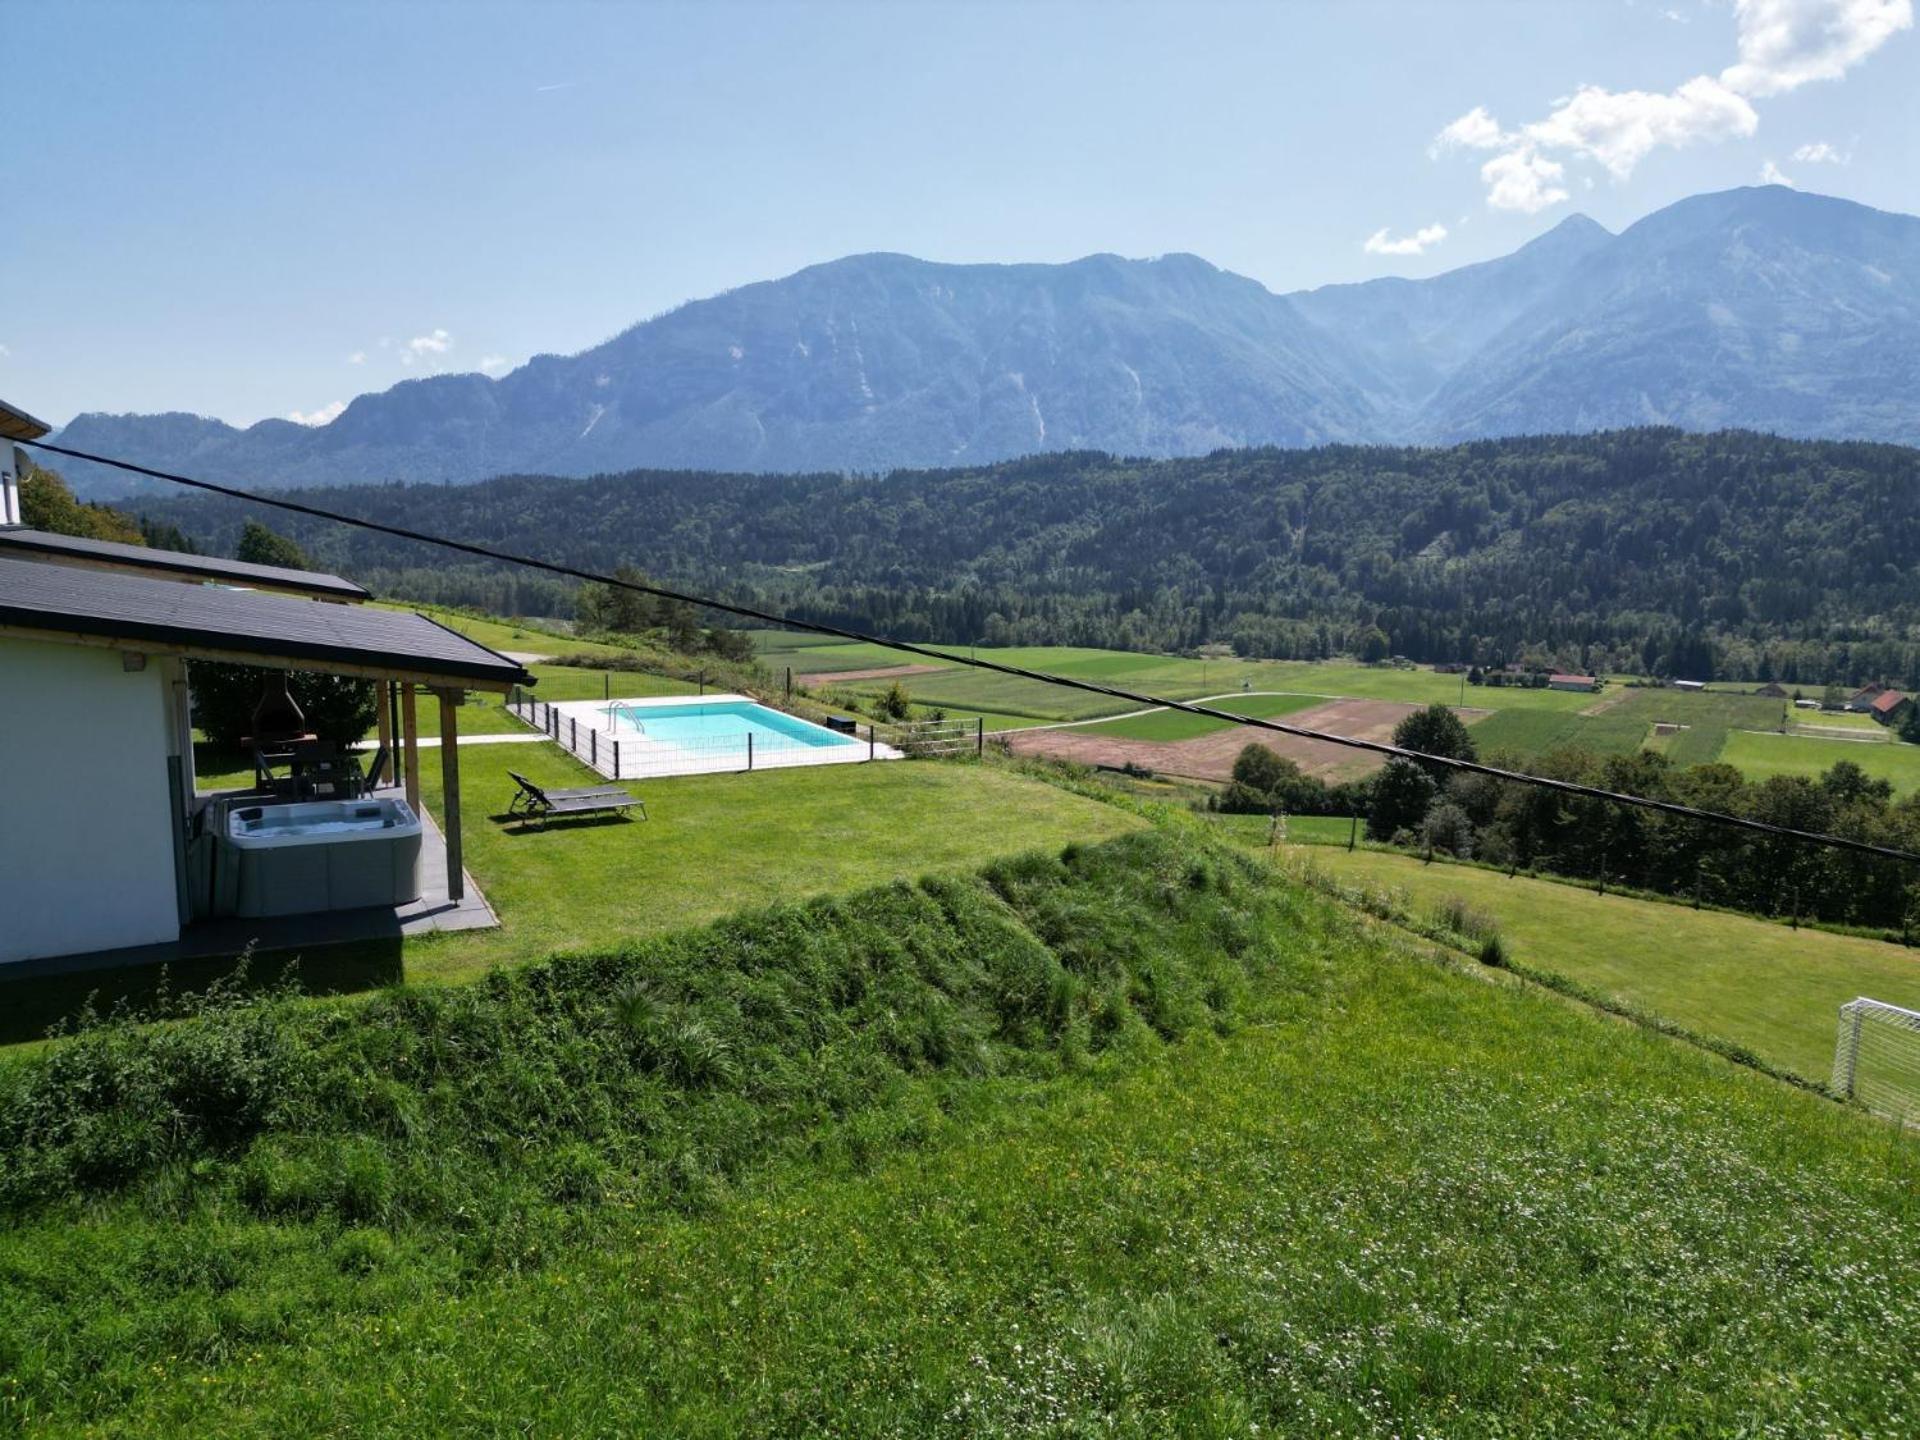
(1760, 307)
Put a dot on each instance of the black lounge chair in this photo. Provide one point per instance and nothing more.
(537, 803)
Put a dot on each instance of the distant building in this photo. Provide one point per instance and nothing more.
(1805, 704)
(1862, 699)
(1889, 706)
(1774, 691)
(1689, 684)
(1573, 682)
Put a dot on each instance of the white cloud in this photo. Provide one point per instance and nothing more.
(436, 342)
(1417, 243)
(1821, 153)
(494, 364)
(1523, 180)
(1475, 130)
(325, 415)
(358, 357)
(1676, 17)
(1785, 44)
(1782, 45)
(1620, 128)
(1771, 174)
(4, 352)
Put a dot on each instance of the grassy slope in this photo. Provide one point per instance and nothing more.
(1400, 1201)
(1775, 990)
(1174, 725)
(714, 844)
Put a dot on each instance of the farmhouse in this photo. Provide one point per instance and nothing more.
(1773, 690)
(1862, 699)
(110, 848)
(1889, 706)
(1694, 685)
(1573, 682)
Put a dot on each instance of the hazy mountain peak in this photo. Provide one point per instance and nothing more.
(1762, 307)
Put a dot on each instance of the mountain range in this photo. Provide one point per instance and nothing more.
(1764, 308)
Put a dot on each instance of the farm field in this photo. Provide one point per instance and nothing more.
(1768, 987)
(1761, 756)
(1357, 1192)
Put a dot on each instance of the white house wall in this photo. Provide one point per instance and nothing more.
(86, 824)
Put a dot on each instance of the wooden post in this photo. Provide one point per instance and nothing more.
(980, 735)
(385, 697)
(410, 742)
(450, 786)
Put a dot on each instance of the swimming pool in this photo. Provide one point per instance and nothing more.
(673, 723)
(631, 739)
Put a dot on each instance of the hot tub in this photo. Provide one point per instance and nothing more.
(321, 855)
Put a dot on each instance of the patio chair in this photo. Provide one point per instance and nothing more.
(535, 802)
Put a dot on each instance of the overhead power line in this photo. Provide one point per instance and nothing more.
(1377, 747)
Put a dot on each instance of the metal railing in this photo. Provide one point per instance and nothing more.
(634, 757)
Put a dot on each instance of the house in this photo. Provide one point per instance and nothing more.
(109, 846)
(1773, 690)
(1573, 682)
(1861, 701)
(1889, 706)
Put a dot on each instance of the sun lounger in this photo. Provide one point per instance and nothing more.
(535, 802)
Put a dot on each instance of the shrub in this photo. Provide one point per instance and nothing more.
(1447, 828)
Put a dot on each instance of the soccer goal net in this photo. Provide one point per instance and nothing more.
(1877, 1058)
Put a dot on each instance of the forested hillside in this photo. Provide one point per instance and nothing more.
(1731, 555)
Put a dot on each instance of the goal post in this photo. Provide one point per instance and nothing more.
(1876, 1059)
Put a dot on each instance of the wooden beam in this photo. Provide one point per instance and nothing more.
(258, 661)
(450, 790)
(383, 701)
(410, 745)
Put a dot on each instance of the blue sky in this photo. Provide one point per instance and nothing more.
(255, 210)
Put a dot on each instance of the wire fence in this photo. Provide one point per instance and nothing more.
(1876, 1059)
(633, 756)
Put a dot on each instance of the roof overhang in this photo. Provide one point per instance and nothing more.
(76, 606)
(18, 425)
(143, 560)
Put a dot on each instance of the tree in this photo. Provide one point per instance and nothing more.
(261, 546)
(1447, 828)
(1436, 730)
(1401, 793)
(224, 696)
(1375, 646)
(1910, 727)
(47, 504)
(1264, 782)
(614, 609)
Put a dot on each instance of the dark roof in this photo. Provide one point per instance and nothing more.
(136, 608)
(18, 425)
(192, 567)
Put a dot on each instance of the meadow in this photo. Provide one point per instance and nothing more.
(1761, 756)
(1775, 990)
(1139, 1139)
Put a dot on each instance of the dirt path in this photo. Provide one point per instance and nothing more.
(884, 672)
(1211, 757)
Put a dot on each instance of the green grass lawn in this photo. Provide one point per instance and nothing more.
(1359, 1194)
(1760, 756)
(1775, 990)
(718, 843)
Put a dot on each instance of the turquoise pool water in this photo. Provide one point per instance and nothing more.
(723, 720)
